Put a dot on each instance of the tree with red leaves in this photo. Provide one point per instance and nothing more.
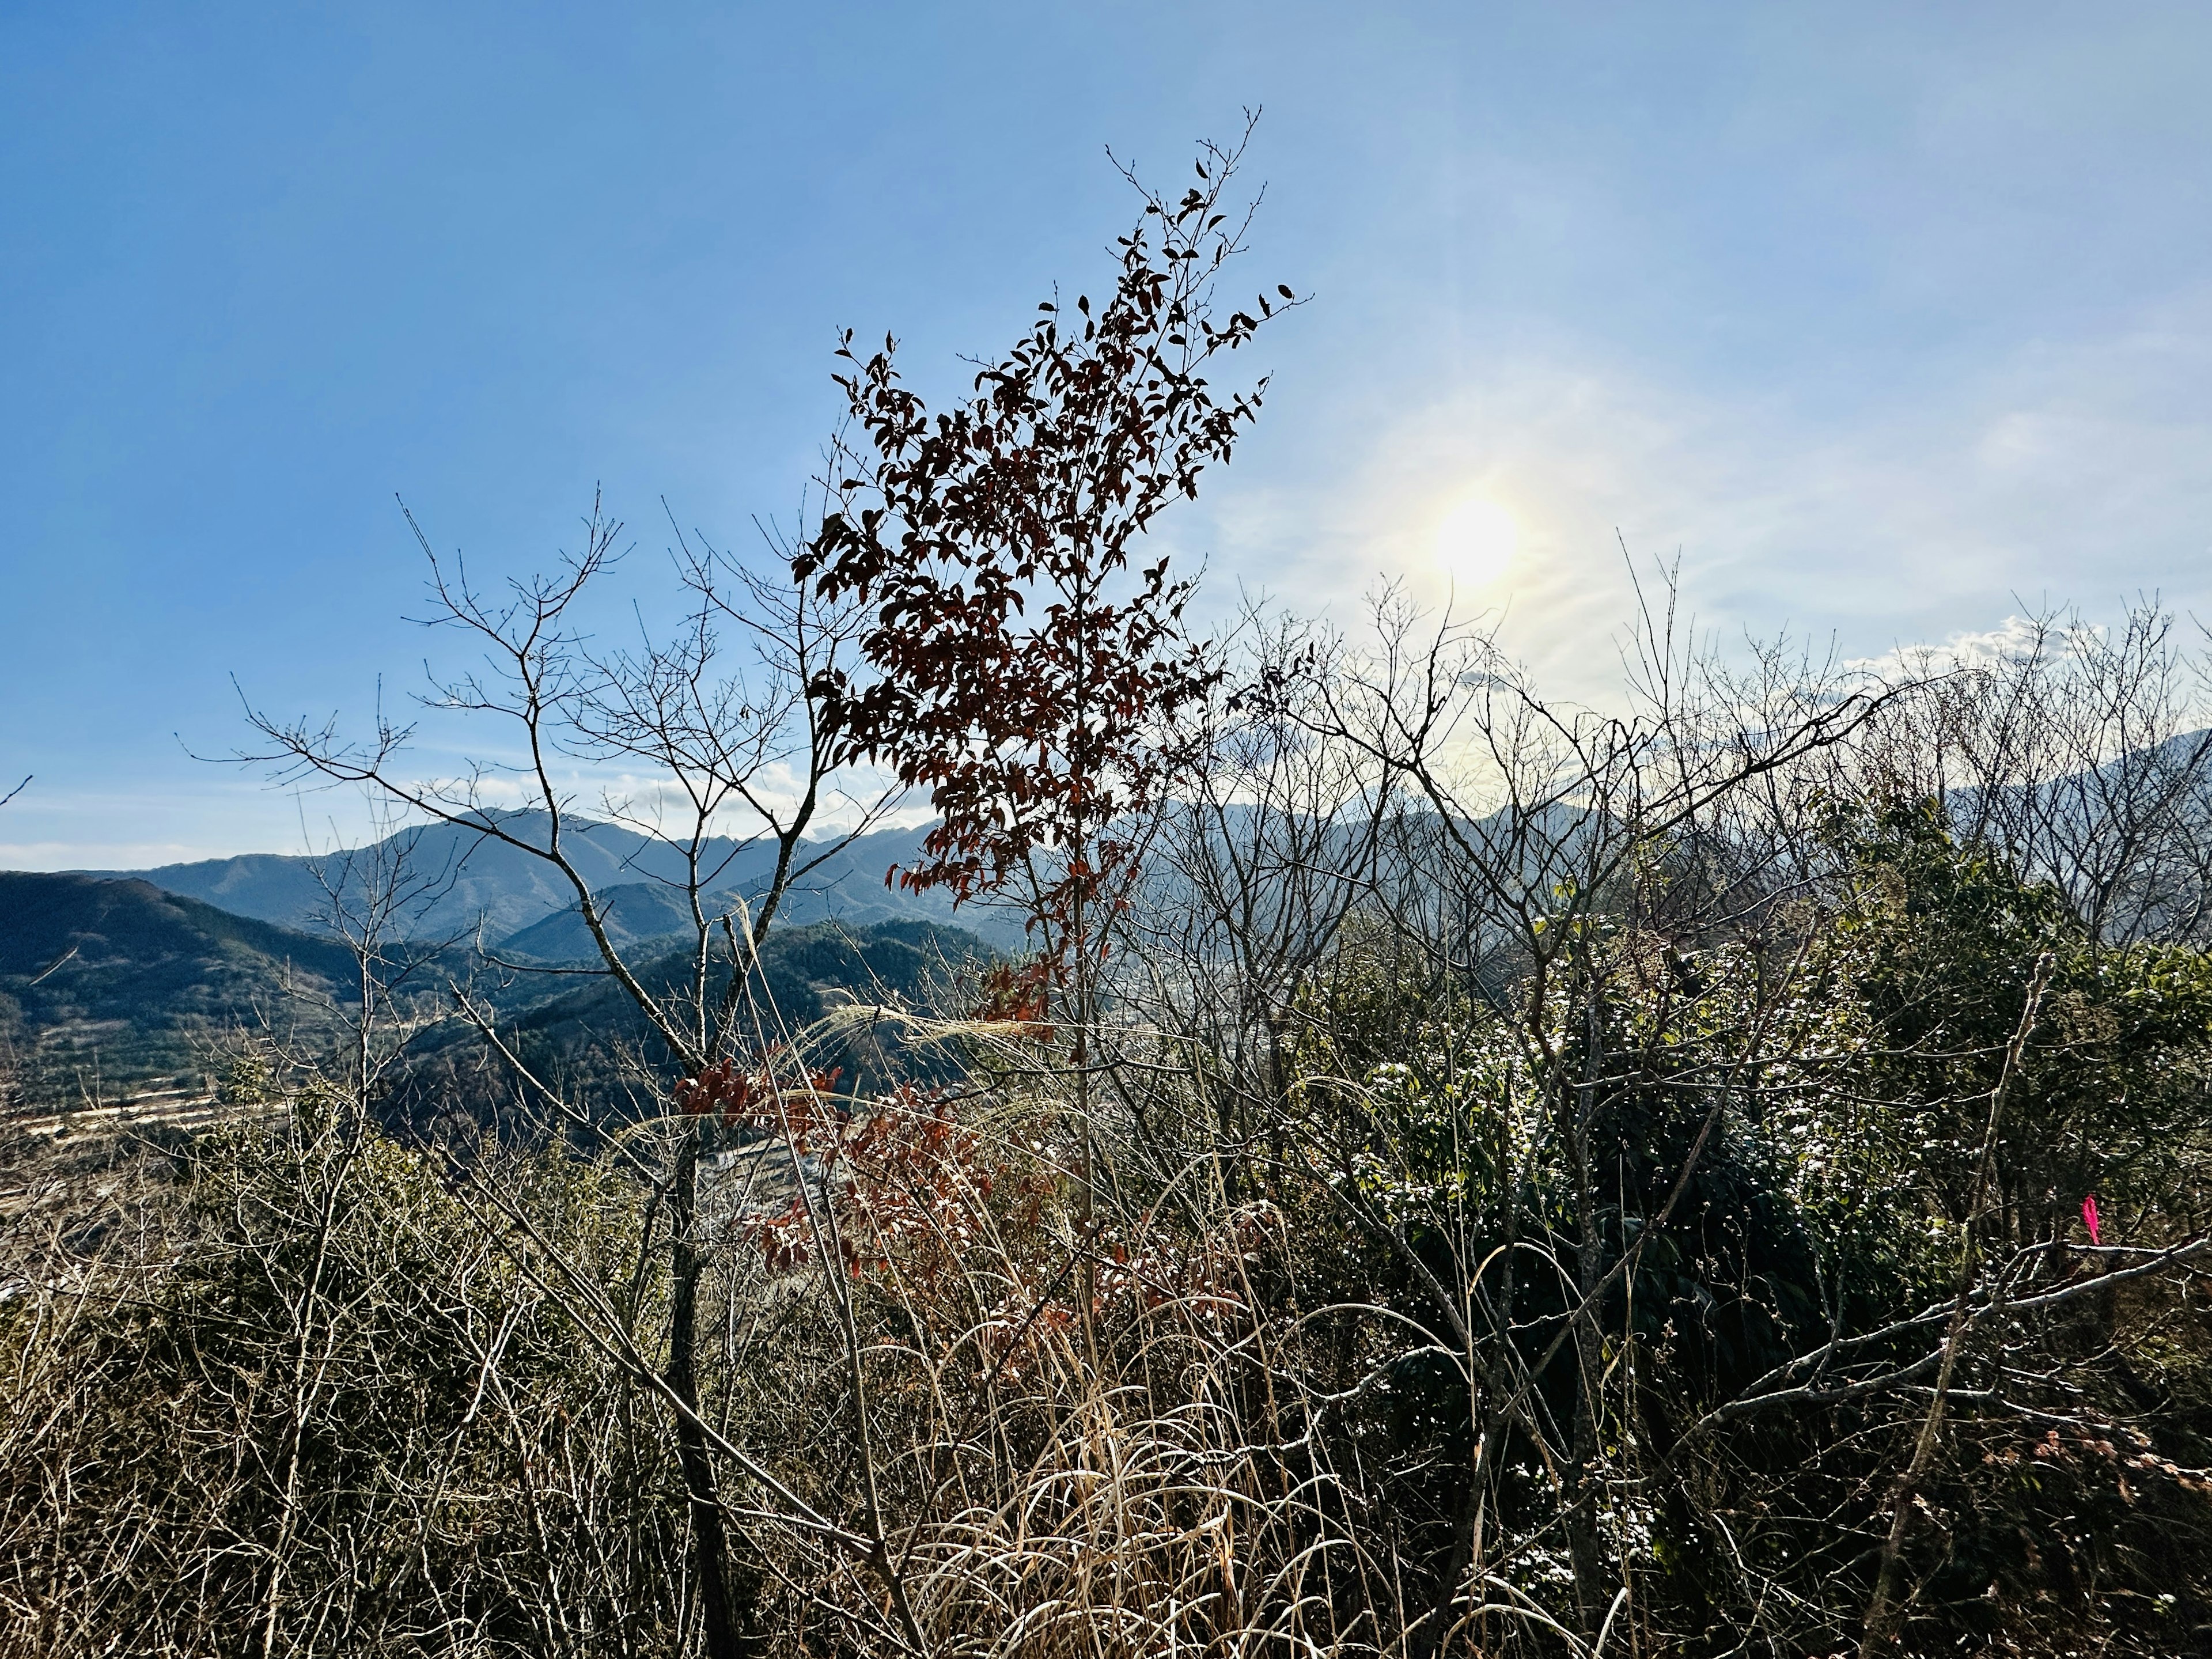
(1022, 664)
(1025, 667)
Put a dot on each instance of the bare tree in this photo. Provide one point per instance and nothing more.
(2080, 754)
(731, 734)
(1539, 825)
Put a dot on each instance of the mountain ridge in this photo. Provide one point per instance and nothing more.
(477, 886)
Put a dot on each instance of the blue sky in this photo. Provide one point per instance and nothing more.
(1887, 320)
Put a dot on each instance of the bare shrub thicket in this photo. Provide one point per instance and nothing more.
(1562, 1181)
(1459, 1174)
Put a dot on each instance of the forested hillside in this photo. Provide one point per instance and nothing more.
(114, 994)
(108, 988)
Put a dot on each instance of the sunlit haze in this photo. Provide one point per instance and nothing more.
(1475, 541)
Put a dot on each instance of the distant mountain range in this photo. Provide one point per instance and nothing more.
(117, 983)
(111, 989)
(519, 906)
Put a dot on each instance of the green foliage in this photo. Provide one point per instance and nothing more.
(1825, 1078)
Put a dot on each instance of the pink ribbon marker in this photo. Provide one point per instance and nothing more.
(2089, 1216)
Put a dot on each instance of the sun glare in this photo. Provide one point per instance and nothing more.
(1475, 542)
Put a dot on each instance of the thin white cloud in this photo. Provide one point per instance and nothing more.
(2067, 472)
(191, 826)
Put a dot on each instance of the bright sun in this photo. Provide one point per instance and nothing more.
(1475, 542)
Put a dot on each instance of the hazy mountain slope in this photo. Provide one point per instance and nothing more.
(572, 1032)
(472, 878)
(848, 888)
(508, 892)
(120, 978)
(631, 914)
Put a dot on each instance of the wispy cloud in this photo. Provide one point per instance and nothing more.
(2066, 471)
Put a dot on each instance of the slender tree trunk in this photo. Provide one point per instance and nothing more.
(1583, 1494)
(1886, 1611)
(709, 1543)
